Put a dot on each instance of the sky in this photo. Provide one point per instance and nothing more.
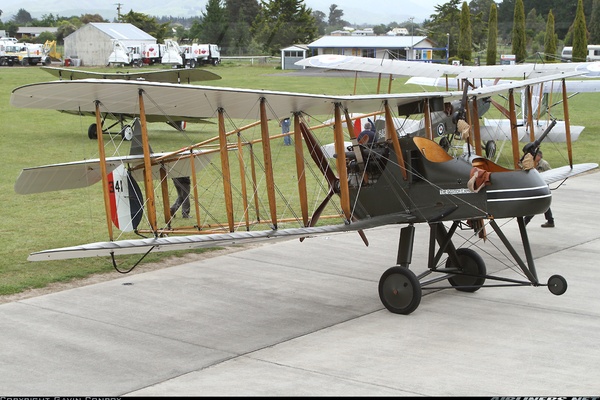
(355, 11)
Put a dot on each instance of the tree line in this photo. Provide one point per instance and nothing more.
(250, 27)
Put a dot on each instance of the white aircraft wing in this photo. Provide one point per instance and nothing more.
(191, 100)
(79, 174)
(573, 86)
(194, 101)
(558, 174)
(433, 70)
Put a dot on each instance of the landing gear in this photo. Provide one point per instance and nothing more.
(470, 270)
(557, 285)
(92, 132)
(400, 290)
(127, 132)
(445, 143)
(490, 149)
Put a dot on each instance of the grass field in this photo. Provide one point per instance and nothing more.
(56, 219)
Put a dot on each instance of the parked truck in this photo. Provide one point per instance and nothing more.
(201, 54)
(125, 55)
(172, 53)
(8, 51)
(29, 53)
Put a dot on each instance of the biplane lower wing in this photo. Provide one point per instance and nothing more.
(500, 129)
(141, 246)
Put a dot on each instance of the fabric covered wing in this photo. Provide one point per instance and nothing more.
(74, 175)
(560, 173)
(183, 75)
(80, 174)
(141, 246)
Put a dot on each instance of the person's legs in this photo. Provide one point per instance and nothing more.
(549, 219)
(175, 206)
(183, 197)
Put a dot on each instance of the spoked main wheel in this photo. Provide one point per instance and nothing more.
(471, 270)
(400, 290)
(490, 149)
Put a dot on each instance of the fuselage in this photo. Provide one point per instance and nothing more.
(434, 187)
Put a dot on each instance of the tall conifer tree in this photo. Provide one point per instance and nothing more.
(519, 48)
(550, 39)
(464, 41)
(579, 34)
(492, 42)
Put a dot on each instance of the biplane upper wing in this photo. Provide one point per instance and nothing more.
(175, 75)
(195, 101)
(431, 70)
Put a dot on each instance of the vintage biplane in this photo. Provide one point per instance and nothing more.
(402, 181)
(173, 75)
(530, 125)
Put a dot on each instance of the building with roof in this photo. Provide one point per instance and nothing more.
(417, 48)
(34, 31)
(399, 47)
(92, 43)
(294, 53)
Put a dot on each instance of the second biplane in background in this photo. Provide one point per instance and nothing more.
(173, 75)
(527, 128)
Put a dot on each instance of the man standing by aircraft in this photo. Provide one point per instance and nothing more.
(182, 185)
(542, 165)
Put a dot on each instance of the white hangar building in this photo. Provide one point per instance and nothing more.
(92, 43)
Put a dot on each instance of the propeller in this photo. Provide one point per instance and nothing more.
(321, 160)
(319, 157)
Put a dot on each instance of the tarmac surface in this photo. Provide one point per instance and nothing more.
(305, 319)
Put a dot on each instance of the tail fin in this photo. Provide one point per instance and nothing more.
(126, 201)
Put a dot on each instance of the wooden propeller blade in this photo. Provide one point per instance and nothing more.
(363, 237)
(318, 156)
(319, 210)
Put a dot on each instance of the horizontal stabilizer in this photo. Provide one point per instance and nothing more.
(80, 174)
(141, 246)
(560, 173)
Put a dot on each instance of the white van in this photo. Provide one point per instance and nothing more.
(592, 55)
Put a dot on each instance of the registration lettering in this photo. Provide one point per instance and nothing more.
(455, 191)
